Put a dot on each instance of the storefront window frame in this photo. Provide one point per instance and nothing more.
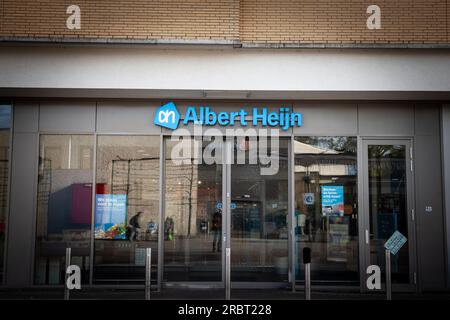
(226, 184)
(162, 136)
(8, 197)
(361, 260)
(39, 134)
(160, 256)
(94, 181)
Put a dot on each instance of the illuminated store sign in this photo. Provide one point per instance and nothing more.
(167, 116)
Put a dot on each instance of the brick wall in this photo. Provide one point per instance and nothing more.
(339, 21)
(448, 21)
(248, 21)
(132, 19)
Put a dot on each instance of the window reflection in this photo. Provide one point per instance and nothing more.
(259, 211)
(127, 207)
(388, 207)
(5, 132)
(63, 205)
(193, 218)
(326, 218)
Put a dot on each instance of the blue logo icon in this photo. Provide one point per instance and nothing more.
(167, 116)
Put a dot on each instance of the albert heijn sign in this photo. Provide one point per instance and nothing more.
(169, 117)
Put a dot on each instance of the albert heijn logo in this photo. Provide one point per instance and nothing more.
(167, 116)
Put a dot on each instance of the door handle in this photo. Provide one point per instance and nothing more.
(367, 236)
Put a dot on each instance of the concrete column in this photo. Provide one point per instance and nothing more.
(21, 221)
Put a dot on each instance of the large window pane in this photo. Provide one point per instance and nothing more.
(64, 205)
(5, 132)
(259, 211)
(193, 218)
(127, 207)
(326, 217)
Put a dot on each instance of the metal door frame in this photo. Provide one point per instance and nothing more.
(363, 188)
(161, 248)
(226, 213)
(227, 154)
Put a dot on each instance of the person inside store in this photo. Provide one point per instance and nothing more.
(217, 231)
(133, 227)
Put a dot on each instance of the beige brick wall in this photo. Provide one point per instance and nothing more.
(339, 21)
(132, 19)
(248, 21)
(448, 21)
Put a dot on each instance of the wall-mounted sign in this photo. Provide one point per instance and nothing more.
(168, 116)
(332, 200)
(308, 199)
(110, 216)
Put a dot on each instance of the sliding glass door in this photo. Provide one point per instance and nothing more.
(259, 216)
(193, 214)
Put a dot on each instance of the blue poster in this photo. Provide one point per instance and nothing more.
(110, 216)
(332, 200)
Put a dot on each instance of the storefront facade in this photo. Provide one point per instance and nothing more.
(370, 156)
(382, 158)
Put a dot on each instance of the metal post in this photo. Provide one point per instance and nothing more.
(66, 277)
(148, 272)
(308, 281)
(388, 276)
(227, 274)
(307, 263)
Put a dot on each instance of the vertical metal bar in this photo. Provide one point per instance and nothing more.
(388, 276)
(412, 232)
(128, 185)
(308, 281)
(94, 194)
(70, 153)
(226, 213)
(148, 272)
(229, 160)
(227, 274)
(224, 210)
(162, 186)
(66, 289)
(363, 212)
(291, 213)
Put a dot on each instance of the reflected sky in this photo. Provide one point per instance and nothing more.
(5, 116)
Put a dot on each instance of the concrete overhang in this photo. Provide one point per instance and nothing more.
(80, 71)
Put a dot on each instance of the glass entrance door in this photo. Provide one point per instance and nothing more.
(240, 202)
(388, 205)
(192, 223)
(259, 214)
